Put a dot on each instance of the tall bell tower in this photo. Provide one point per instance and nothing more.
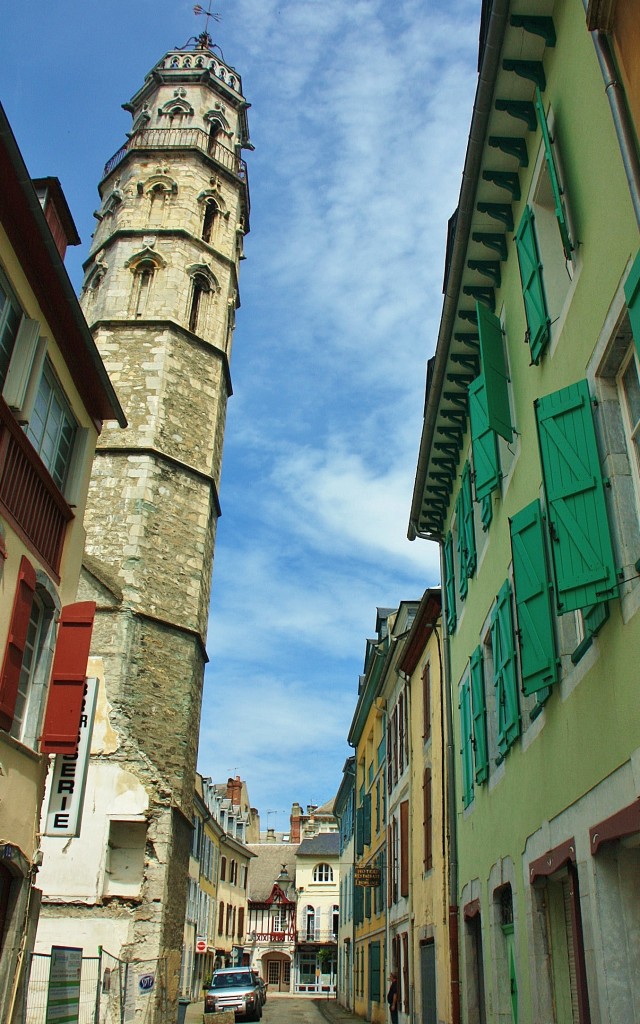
(160, 294)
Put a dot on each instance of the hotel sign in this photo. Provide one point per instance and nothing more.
(369, 877)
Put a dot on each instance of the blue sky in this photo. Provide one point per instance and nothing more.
(360, 114)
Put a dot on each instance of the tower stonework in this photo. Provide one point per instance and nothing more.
(160, 294)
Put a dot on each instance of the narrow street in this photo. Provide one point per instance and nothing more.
(285, 1009)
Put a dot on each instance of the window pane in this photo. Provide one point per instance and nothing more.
(29, 664)
(52, 428)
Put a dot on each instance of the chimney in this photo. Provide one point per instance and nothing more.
(271, 835)
(296, 811)
(57, 213)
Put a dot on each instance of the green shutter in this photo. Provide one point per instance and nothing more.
(494, 371)
(479, 713)
(632, 295)
(535, 303)
(469, 532)
(486, 511)
(583, 560)
(561, 216)
(359, 831)
(466, 540)
(461, 547)
(450, 583)
(486, 464)
(504, 670)
(533, 593)
(374, 972)
(467, 744)
(366, 819)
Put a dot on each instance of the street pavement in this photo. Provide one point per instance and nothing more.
(282, 1008)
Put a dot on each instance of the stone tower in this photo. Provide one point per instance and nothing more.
(160, 294)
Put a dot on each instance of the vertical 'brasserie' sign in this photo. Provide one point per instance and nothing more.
(70, 774)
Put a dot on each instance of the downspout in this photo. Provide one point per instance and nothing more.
(620, 114)
(452, 837)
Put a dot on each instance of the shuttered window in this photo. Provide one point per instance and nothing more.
(67, 686)
(554, 177)
(632, 295)
(466, 541)
(494, 371)
(505, 670)
(360, 831)
(428, 821)
(582, 552)
(466, 736)
(450, 583)
(486, 464)
(16, 642)
(404, 848)
(535, 303)
(366, 819)
(479, 715)
(533, 598)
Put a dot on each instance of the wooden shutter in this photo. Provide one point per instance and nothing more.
(366, 819)
(450, 583)
(583, 560)
(467, 509)
(428, 821)
(504, 670)
(67, 686)
(16, 640)
(404, 848)
(486, 464)
(535, 303)
(479, 715)
(494, 371)
(360, 831)
(632, 295)
(426, 702)
(461, 547)
(533, 597)
(467, 744)
(554, 177)
(392, 865)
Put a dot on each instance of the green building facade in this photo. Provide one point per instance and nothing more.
(528, 478)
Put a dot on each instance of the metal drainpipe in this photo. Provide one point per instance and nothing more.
(620, 114)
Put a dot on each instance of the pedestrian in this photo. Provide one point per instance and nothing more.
(392, 997)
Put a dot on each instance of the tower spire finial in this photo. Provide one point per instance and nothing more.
(204, 39)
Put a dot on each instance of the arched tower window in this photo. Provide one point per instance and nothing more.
(199, 291)
(142, 281)
(215, 128)
(156, 206)
(211, 211)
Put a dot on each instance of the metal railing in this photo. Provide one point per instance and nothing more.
(180, 138)
(28, 495)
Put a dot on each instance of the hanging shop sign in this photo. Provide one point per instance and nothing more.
(368, 877)
(69, 778)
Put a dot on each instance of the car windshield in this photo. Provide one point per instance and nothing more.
(232, 980)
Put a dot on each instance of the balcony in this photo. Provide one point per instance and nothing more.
(288, 936)
(180, 138)
(29, 499)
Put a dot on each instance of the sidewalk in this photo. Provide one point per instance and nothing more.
(333, 1012)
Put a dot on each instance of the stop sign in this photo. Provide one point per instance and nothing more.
(201, 945)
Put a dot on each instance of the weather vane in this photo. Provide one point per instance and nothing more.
(199, 9)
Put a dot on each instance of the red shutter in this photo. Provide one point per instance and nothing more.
(16, 640)
(67, 686)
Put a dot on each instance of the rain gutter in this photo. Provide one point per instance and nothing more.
(479, 121)
(620, 114)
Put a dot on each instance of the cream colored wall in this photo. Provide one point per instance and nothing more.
(429, 889)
